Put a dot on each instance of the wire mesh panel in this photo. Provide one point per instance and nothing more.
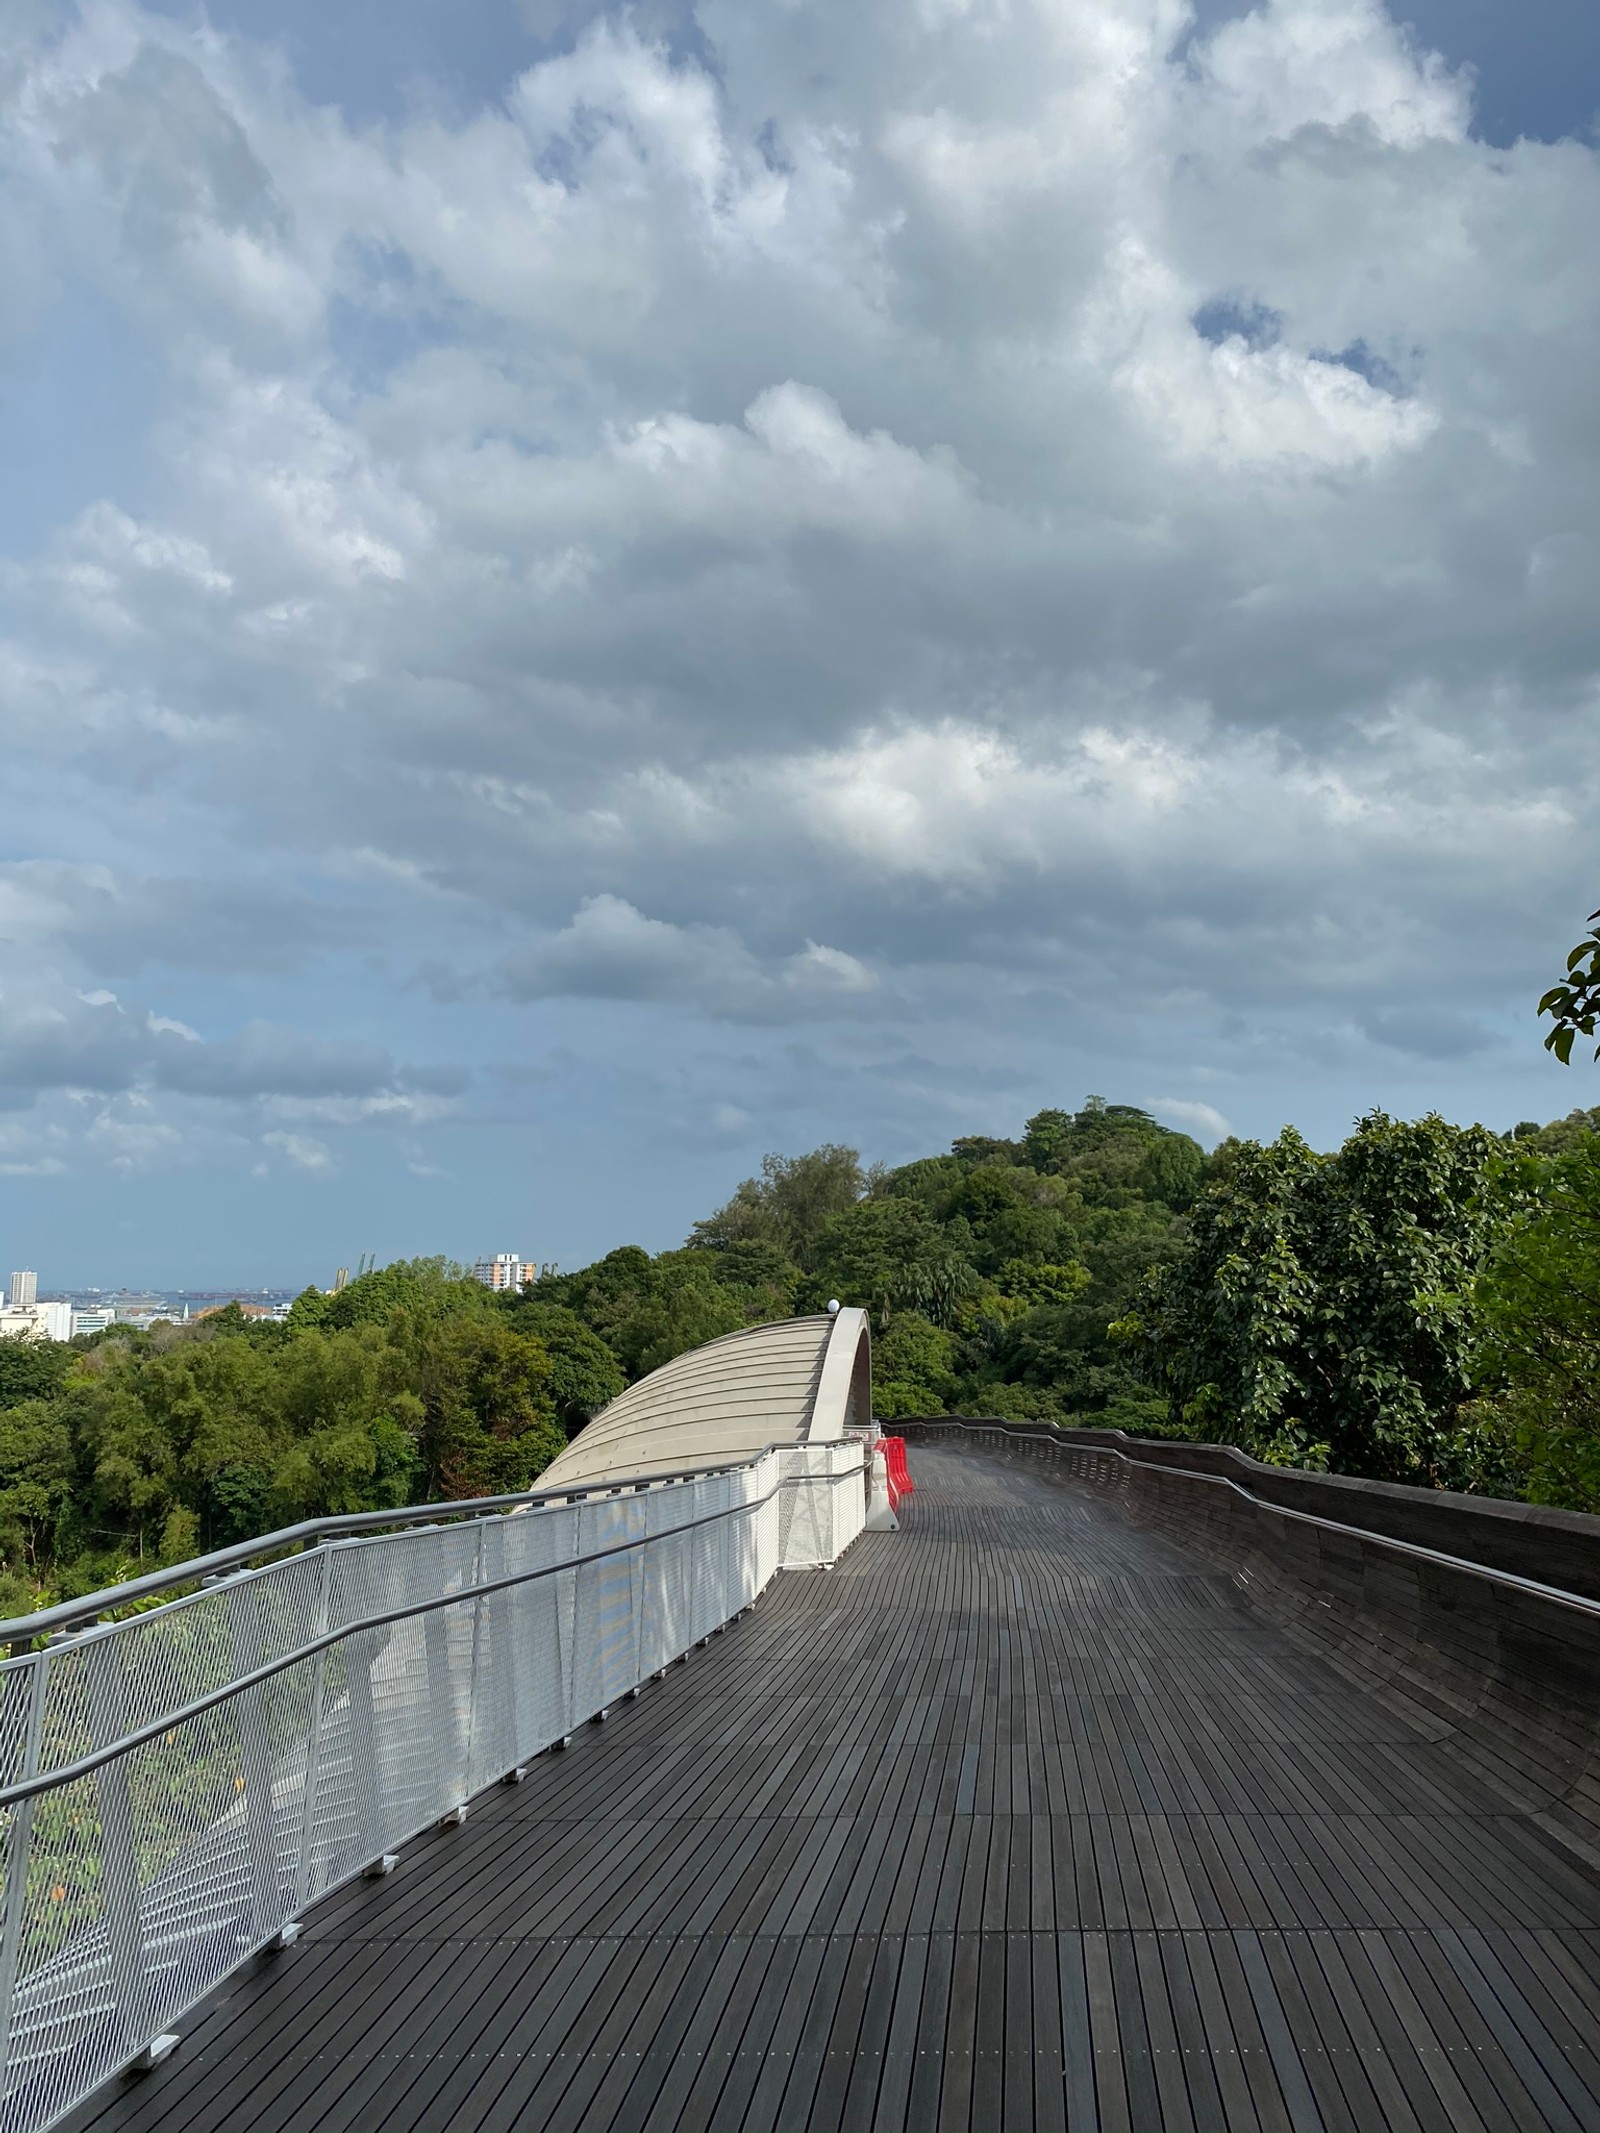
(603, 1622)
(176, 1787)
(822, 1505)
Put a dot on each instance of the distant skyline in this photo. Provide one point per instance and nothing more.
(586, 593)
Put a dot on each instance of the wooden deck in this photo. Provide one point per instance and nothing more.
(1019, 1818)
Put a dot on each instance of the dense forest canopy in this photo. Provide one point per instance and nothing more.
(1421, 1305)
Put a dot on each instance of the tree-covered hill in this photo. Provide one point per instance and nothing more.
(1423, 1304)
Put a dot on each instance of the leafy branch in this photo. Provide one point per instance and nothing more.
(1575, 1004)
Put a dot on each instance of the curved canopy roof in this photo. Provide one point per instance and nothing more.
(799, 1381)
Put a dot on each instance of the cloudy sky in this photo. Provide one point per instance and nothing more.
(585, 593)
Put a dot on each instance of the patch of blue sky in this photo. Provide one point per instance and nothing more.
(78, 397)
(384, 59)
(1236, 317)
(1239, 318)
(1366, 363)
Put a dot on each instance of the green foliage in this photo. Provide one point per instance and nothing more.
(1033, 1281)
(1320, 1306)
(875, 1254)
(1019, 1253)
(790, 1204)
(429, 1287)
(913, 1368)
(36, 1470)
(584, 1373)
(1539, 1298)
(486, 1426)
(310, 1308)
(1574, 1004)
(159, 1446)
(31, 1370)
(1559, 1137)
(647, 1310)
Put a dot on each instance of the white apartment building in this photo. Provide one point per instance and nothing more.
(23, 1292)
(506, 1270)
(36, 1322)
(95, 1321)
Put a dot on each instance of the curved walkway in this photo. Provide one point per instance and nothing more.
(1018, 1818)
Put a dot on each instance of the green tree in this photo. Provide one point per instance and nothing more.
(685, 1306)
(31, 1370)
(310, 1308)
(1539, 1297)
(132, 1459)
(584, 1373)
(1048, 1136)
(1320, 1307)
(433, 1287)
(763, 1274)
(1034, 1281)
(1404, 1225)
(790, 1204)
(344, 1422)
(1557, 1138)
(877, 1253)
(487, 1424)
(36, 1474)
(913, 1368)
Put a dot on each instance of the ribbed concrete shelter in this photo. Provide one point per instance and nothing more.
(799, 1381)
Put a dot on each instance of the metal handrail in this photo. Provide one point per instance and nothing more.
(141, 1736)
(24, 1630)
(1579, 1602)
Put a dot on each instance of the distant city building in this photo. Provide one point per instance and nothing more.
(95, 1321)
(506, 1270)
(36, 1321)
(23, 1293)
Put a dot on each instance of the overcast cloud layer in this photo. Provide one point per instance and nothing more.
(771, 572)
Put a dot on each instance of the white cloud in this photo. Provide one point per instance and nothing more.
(790, 546)
(1330, 63)
(301, 1152)
(611, 951)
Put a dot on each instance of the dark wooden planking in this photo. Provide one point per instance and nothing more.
(1023, 1816)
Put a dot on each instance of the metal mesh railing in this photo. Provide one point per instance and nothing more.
(175, 1788)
